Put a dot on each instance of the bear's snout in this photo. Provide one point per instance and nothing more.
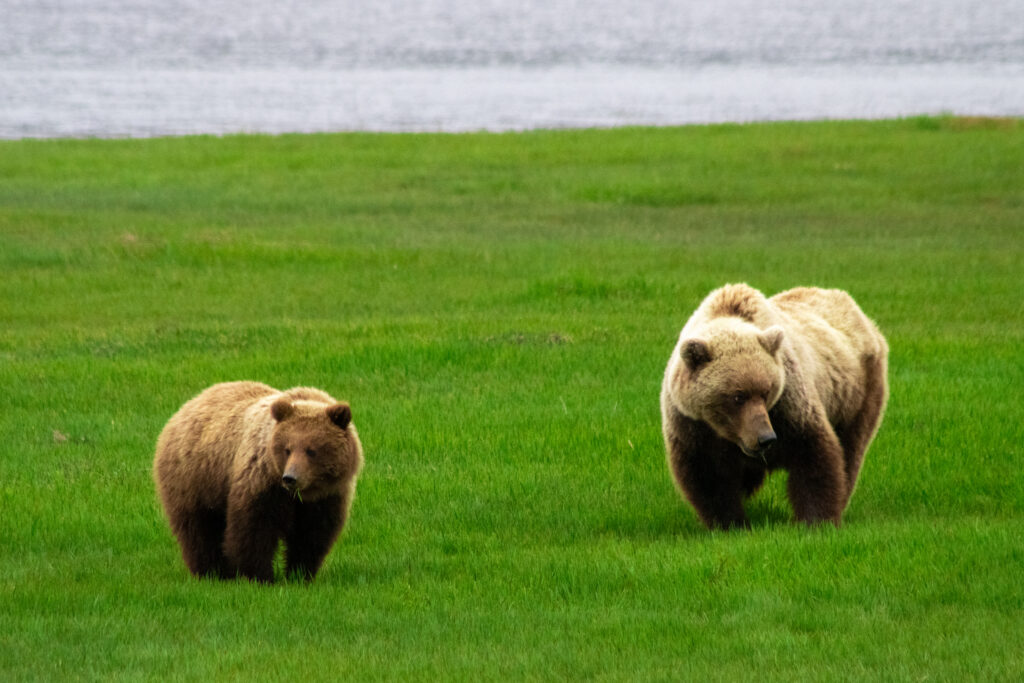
(765, 440)
(294, 480)
(756, 434)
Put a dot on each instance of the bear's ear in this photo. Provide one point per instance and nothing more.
(340, 414)
(771, 339)
(282, 409)
(695, 353)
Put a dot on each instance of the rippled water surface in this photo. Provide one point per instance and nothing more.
(142, 67)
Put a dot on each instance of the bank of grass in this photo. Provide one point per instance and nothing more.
(499, 309)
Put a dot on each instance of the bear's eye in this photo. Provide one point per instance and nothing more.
(739, 398)
(287, 451)
(310, 453)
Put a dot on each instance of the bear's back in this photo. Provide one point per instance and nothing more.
(308, 394)
(195, 452)
(812, 306)
(836, 345)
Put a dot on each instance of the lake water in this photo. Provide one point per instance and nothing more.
(115, 68)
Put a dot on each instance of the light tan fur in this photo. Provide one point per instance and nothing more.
(808, 359)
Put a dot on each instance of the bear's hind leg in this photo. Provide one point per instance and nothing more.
(857, 436)
(200, 534)
(316, 527)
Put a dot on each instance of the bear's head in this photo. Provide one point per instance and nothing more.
(729, 375)
(315, 447)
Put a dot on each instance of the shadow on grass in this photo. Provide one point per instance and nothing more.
(681, 521)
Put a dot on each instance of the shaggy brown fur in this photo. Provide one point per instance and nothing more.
(242, 466)
(796, 382)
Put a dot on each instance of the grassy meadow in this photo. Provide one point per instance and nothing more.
(499, 309)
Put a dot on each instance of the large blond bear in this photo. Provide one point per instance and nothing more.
(243, 466)
(794, 382)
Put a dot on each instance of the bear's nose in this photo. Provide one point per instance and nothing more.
(288, 480)
(766, 440)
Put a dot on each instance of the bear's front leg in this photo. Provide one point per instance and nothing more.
(706, 471)
(817, 479)
(252, 535)
(715, 491)
(316, 527)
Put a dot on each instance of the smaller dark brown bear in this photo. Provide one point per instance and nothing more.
(242, 466)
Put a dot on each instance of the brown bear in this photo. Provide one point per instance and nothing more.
(794, 382)
(242, 466)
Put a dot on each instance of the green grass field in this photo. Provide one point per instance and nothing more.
(499, 310)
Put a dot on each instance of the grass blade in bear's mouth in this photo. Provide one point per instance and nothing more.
(293, 490)
(756, 455)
